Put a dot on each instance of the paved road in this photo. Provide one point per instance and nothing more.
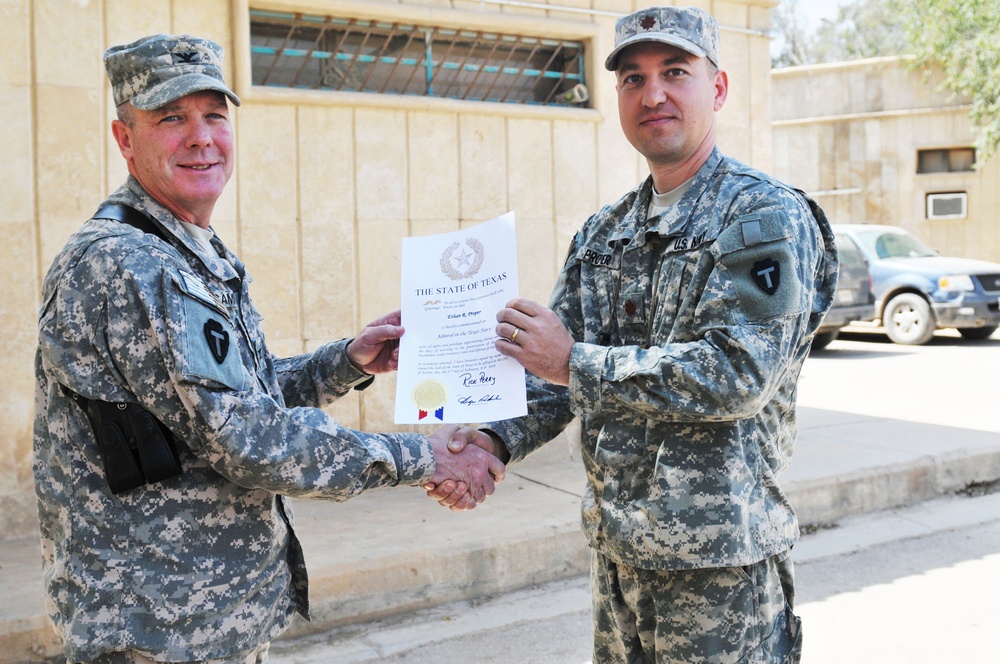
(948, 382)
(917, 586)
(932, 599)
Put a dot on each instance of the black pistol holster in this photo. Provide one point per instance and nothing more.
(135, 447)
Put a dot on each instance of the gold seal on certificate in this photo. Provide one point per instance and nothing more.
(452, 287)
(429, 396)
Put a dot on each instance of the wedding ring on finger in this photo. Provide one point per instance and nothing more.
(513, 337)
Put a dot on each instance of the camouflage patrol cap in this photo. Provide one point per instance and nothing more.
(159, 69)
(688, 28)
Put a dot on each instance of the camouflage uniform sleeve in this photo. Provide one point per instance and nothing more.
(548, 404)
(157, 328)
(728, 348)
(319, 378)
(548, 414)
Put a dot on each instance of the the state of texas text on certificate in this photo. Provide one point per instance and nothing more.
(453, 285)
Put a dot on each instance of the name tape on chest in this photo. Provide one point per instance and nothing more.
(599, 259)
(679, 244)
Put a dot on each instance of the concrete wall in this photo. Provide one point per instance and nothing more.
(849, 134)
(326, 184)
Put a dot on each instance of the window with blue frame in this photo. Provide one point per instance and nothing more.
(312, 52)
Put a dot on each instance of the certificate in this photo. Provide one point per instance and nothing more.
(453, 285)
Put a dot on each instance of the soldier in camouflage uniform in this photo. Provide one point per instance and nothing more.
(202, 565)
(676, 333)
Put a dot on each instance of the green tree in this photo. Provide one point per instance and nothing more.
(963, 38)
(789, 29)
(862, 29)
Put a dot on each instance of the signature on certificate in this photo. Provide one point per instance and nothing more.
(467, 400)
(470, 380)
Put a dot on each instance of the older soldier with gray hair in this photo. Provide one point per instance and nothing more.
(166, 435)
(676, 333)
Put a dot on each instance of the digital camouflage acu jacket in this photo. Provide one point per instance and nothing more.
(691, 330)
(205, 564)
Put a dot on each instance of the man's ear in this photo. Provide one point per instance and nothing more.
(123, 137)
(721, 89)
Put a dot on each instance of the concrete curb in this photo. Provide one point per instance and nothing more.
(827, 500)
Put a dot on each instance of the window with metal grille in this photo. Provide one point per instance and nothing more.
(311, 52)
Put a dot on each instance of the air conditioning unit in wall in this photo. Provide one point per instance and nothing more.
(947, 206)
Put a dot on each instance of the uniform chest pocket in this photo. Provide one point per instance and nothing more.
(655, 281)
(203, 339)
(672, 315)
(633, 313)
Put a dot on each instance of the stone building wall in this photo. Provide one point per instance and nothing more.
(849, 133)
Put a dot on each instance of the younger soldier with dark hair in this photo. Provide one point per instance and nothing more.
(676, 333)
(166, 435)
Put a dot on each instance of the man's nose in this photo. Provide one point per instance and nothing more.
(199, 133)
(654, 94)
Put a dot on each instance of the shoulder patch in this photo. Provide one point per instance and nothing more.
(202, 336)
(758, 252)
(218, 339)
(196, 288)
(766, 274)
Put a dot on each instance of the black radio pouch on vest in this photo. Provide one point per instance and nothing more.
(135, 447)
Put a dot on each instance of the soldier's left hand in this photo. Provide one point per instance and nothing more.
(376, 349)
(533, 335)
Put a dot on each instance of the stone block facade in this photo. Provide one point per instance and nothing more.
(850, 133)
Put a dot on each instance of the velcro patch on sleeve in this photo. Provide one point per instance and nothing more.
(758, 254)
(203, 338)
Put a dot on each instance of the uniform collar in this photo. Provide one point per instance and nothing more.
(134, 195)
(633, 229)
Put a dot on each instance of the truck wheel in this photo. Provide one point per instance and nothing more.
(974, 333)
(907, 319)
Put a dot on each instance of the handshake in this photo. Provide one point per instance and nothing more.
(468, 465)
